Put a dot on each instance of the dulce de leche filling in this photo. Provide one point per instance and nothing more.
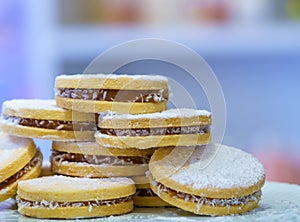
(99, 160)
(53, 124)
(156, 131)
(146, 192)
(33, 162)
(200, 200)
(111, 95)
(55, 204)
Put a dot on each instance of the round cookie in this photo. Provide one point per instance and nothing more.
(229, 183)
(42, 119)
(174, 127)
(144, 196)
(20, 160)
(89, 159)
(69, 197)
(111, 92)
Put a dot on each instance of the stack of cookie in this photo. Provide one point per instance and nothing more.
(175, 127)
(106, 94)
(108, 127)
(133, 136)
(71, 122)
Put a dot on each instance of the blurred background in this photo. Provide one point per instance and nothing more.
(253, 46)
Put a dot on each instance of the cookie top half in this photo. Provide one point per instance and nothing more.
(215, 171)
(112, 81)
(41, 109)
(72, 189)
(15, 153)
(168, 118)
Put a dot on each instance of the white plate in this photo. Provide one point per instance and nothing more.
(280, 202)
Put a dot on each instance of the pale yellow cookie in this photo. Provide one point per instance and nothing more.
(69, 197)
(207, 180)
(110, 92)
(89, 159)
(44, 120)
(20, 160)
(175, 127)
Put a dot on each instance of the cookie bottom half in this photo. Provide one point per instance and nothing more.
(145, 142)
(31, 170)
(48, 134)
(92, 106)
(204, 209)
(77, 212)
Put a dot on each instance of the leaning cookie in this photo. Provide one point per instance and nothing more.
(174, 127)
(70, 197)
(110, 92)
(19, 160)
(42, 119)
(144, 196)
(229, 182)
(89, 159)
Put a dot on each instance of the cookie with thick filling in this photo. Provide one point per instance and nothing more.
(111, 92)
(42, 119)
(144, 196)
(20, 160)
(174, 127)
(207, 180)
(71, 197)
(89, 159)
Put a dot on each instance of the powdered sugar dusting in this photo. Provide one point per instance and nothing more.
(229, 168)
(171, 113)
(113, 76)
(73, 183)
(31, 104)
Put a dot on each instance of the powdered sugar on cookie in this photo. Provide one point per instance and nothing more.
(229, 168)
(31, 104)
(112, 76)
(171, 113)
(73, 183)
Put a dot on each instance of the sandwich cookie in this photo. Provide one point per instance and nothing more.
(174, 127)
(229, 184)
(19, 160)
(69, 197)
(89, 159)
(44, 120)
(144, 196)
(111, 92)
